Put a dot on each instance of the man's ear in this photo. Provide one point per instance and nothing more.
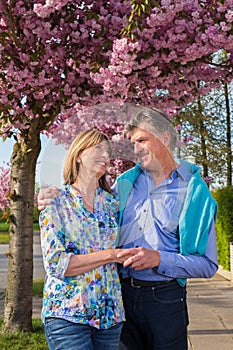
(166, 138)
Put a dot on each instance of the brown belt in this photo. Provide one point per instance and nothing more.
(135, 283)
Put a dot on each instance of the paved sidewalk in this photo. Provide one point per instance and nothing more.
(210, 303)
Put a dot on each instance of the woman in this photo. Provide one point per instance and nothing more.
(82, 305)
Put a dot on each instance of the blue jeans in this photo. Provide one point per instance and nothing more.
(65, 335)
(156, 317)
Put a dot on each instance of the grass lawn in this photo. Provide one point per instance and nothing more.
(4, 236)
(34, 340)
(37, 288)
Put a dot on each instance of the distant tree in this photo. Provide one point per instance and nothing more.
(206, 133)
(228, 134)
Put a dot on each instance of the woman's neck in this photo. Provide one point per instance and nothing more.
(86, 184)
(87, 189)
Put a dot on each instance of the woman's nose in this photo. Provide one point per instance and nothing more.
(106, 154)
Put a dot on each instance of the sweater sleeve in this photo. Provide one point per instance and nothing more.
(199, 210)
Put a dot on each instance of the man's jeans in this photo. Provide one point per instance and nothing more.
(65, 335)
(156, 317)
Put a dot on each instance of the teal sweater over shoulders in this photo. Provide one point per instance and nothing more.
(197, 214)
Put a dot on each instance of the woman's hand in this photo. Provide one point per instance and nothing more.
(81, 263)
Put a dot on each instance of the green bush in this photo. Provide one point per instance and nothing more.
(4, 215)
(36, 214)
(4, 227)
(1, 216)
(224, 224)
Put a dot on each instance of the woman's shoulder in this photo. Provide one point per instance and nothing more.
(109, 195)
(64, 196)
(111, 198)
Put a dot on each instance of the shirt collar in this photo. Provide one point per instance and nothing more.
(183, 171)
(76, 192)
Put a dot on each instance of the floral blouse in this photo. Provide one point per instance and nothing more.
(67, 227)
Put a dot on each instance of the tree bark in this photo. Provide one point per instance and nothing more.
(203, 134)
(18, 300)
(228, 136)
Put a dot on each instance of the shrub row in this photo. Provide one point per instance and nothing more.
(224, 224)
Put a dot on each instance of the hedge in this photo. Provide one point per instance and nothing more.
(224, 224)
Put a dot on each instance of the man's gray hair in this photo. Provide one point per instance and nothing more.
(157, 120)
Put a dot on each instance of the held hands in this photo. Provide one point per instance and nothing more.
(46, 195)
(114, 253)
(139, 258)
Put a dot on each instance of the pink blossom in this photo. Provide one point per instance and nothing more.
(208, 179)
(63, 60)
(5, 173)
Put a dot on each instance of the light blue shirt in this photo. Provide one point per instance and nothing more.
(151, 220)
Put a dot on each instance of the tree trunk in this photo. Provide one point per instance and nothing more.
(203, 149)
(203, 134)
(228, 136)
(18, 300)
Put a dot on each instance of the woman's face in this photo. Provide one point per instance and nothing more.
(96, 159)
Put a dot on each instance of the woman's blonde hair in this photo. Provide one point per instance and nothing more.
(83, 141)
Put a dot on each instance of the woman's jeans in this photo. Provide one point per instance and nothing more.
(156, 317)
(65, 335)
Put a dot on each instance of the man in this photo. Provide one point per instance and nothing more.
(167, 227)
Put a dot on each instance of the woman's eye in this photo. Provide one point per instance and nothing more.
(101, 149)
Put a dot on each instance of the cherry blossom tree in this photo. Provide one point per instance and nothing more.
(5, 172)
(59, 56)
(45, 68)
(172, 50)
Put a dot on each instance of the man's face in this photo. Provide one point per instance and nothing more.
(148, 147)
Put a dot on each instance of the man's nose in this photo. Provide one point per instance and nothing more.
(137, 148)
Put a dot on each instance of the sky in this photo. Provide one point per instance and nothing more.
(5, 150)
(50, 161)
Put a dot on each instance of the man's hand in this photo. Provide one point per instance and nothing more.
(140, 258)
(117, 257)
(46, 195)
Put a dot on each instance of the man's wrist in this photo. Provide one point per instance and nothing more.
(157, 260)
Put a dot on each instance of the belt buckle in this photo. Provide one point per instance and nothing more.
(132, 284)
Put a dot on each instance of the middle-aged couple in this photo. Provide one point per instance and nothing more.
(157, 223)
